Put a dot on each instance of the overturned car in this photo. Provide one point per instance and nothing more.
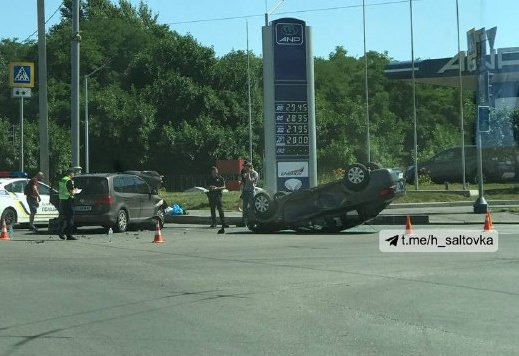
(355, 199)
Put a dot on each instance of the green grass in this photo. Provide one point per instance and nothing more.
(197, 201)
(493, 191)
(512, 210)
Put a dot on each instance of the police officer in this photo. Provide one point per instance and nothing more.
(215, 183)
(66, 198)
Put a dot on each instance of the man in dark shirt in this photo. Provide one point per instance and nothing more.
(215, 183)
(33, 198)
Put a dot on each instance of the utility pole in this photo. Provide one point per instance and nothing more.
(462, 125)
(21, 136)
(42, 95)
(87, 147)
(415, 134)
(366, 87)
(249, 92)
(74, 100)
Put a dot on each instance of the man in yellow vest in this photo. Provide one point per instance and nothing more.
(66, 198)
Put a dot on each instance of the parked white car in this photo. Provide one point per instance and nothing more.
(13, 203)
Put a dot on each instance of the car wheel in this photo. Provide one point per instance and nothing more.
(333, 226)
(261, 229)
(475, 177)
(121, 225)
(372, 166)
(263, 205)
(356, 176)
(9, 215)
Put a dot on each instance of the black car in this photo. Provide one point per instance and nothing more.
(499, 164)
(116, 200)
(360, 196)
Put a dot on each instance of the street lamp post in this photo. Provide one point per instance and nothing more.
(249, 92)
(462, 125)
(267, 14)
(368, 139)
(87, 154)
(480, 205)
(415, 134)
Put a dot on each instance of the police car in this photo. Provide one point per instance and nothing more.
(13, 202)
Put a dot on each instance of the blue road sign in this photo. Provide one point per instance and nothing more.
(21, 74)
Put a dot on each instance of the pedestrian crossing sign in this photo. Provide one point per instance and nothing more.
(21, 74)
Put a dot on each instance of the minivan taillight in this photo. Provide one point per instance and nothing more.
(104, 200)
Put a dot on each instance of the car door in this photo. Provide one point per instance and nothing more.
(125, 190)
(134, 202)
(145, 198)
(19, 201)
(443, 166)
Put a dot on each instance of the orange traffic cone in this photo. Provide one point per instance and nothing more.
(488, 224)
(5, 234)
(490, 221)
(158, 235)
(408, 226)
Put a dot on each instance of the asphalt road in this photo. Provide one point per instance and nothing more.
(245, 294)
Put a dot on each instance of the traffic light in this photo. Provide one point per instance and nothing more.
(489, 79)
(484, 118)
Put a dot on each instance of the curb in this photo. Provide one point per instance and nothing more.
(450, 204)
(420, 219)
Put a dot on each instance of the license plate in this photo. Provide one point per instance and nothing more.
(83, 208)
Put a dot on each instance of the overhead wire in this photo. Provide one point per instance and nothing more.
(46, 21)
(288, 12)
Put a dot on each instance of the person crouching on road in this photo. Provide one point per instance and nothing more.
(33, 198)
(66, 209)
(215, 183)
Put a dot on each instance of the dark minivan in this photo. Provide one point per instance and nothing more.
(499, 164)
(116, 200)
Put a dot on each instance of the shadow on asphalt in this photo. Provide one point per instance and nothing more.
(289, 232)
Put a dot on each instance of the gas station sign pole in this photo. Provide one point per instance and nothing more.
(289, 106)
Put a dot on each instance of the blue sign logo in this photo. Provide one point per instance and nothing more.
(289, 34)
(22, 74)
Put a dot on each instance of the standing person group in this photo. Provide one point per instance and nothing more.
(215, 183)
(33, 198)
(249, 181)
(66, 210)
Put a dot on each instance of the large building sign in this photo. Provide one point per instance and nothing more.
(289, 106)
(500, 80)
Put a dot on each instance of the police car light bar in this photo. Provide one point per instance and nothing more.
(12, 174)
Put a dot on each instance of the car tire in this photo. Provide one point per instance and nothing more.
(260, 229)
(474, 177)
(263, 205)
(331, 226)
(372, 166)
(9, 215)
(356, 177)
(121, 224)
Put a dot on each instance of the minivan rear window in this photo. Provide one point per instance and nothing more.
(92, 185)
